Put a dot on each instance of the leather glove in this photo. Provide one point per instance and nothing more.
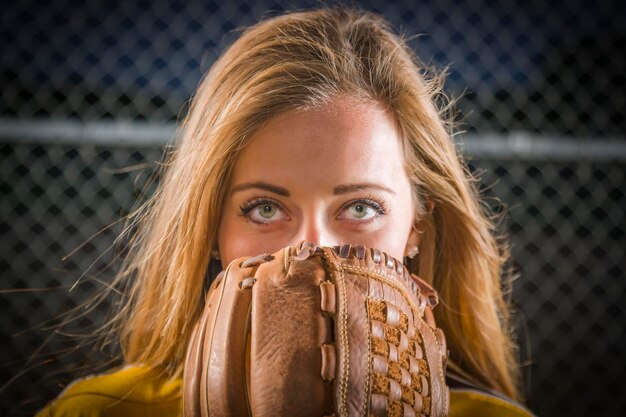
(314, 331)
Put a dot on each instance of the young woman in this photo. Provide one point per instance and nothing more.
(322, 126)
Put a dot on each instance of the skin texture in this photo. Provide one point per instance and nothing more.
(309, 153)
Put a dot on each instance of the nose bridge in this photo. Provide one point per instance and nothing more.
(315, 228)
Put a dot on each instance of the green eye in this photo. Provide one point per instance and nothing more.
(359, 210)
(364, 210)
(263, 211)
(267, 211)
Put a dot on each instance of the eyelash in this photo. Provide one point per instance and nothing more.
(379, 206)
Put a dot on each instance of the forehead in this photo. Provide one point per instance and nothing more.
(344, 141)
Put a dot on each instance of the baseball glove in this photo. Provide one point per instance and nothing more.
(314, 331)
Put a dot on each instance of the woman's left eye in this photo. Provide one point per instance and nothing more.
(364, 210)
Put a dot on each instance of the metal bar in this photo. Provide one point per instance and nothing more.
(535, 147)
(515, 145)
(77, 133)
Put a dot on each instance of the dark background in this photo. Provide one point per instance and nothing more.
(91, 93)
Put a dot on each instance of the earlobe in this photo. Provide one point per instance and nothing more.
(412, 251)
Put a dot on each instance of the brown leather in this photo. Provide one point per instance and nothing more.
(315, 331)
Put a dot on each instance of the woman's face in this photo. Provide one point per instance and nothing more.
(331, 175)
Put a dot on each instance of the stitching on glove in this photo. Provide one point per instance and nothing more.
(346, 344)
(367, 388)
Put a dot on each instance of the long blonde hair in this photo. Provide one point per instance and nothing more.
(299, 60)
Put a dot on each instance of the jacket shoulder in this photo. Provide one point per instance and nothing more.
(130, 391)
(470, 402)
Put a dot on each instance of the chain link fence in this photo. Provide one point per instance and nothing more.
(519, 65)
(91, 93)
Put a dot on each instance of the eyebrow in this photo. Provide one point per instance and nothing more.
(350, 188)
(338, 190)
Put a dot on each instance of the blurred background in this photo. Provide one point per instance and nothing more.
(91, 93)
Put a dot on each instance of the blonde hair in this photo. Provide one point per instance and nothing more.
(299, 60)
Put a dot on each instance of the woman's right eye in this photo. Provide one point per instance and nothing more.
(263, 211)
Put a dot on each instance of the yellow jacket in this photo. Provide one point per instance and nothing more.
(140, 391)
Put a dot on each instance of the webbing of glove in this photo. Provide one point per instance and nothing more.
(317, 331)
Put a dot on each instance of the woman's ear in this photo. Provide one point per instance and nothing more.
(415, 236)
(413, 242)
